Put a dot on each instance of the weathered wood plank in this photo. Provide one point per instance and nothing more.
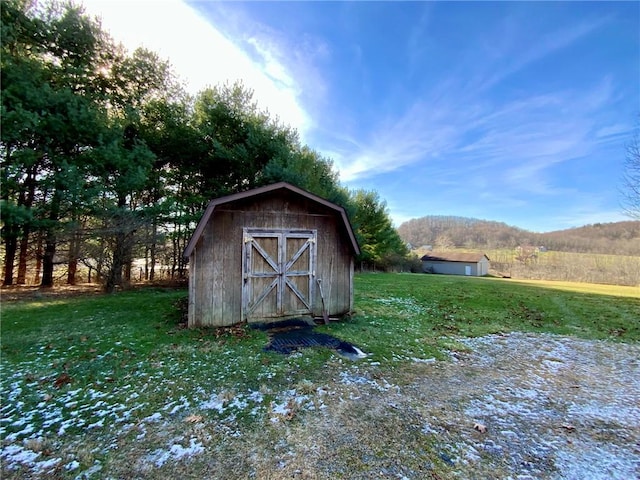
(218, 288)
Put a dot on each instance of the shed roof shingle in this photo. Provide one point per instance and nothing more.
(454, 257)
(259, 191)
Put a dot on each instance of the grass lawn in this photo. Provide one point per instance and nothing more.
(110, 385)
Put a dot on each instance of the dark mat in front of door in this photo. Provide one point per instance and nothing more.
(291, 335)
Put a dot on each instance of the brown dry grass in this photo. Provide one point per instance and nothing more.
(31, 292)
(357, 434)
(416, 423)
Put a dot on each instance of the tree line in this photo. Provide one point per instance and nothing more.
(105, 158)
(441, 232)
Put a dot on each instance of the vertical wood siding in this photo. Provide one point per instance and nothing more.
(215, 285)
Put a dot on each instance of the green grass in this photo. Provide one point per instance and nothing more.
(82, 371)
(429, 306)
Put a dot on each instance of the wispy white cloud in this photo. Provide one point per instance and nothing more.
(424, 132)
(456, 117)
(510, 144)
(202, 54)
(580, 215)
(613, 131)
(513, 53)
(291, 63)
(526, 138)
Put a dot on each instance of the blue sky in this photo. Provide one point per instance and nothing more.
(506, 111)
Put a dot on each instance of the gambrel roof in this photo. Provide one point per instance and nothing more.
(213, 204)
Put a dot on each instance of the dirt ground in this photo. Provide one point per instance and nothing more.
(517, 406)
(34, 292)
(553, 407)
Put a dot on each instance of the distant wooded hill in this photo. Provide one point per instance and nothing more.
(619, 238)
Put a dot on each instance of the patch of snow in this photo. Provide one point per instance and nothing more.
(279, 409)
(597, 462)
(403, 305)
(427, 429)
(616, 413)
(180, 406)
(22, 433)
(46, 465)
(423, 360)
(14, 456)
(556, 403)
(64, 425)
(214, 403)
(348, 378)
(98, 424)
(156, 417)
(256, 396)
(175, 452)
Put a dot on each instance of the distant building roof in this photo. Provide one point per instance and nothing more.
(454, 257)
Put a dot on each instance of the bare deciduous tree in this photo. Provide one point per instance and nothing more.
(631, 179)
(444, 242)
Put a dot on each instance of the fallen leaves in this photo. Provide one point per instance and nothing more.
(238, 331)
(292, 407)
(617, 332)
(480, 427)
(63, 379)
(193, 419)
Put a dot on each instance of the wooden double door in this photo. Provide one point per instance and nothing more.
(278, 271)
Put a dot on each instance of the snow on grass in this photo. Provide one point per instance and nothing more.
(34, 409)
(282, 405)
(140, 401)
(174, 452)
(403, 305)
(355, 377)
(182, 404)
(147, 400)
(18, 456)
(557, 403)
(597, 461)
(89, 472)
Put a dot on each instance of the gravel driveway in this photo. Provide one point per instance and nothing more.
(516, 406)
(554, 407)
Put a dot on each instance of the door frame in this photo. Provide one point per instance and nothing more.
(281, 273)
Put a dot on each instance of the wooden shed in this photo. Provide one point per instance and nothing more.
(268, 254)
(456, 263)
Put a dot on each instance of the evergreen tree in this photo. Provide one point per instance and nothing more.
(104, 158)
(380, 243)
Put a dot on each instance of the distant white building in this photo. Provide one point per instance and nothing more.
(454, 263)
